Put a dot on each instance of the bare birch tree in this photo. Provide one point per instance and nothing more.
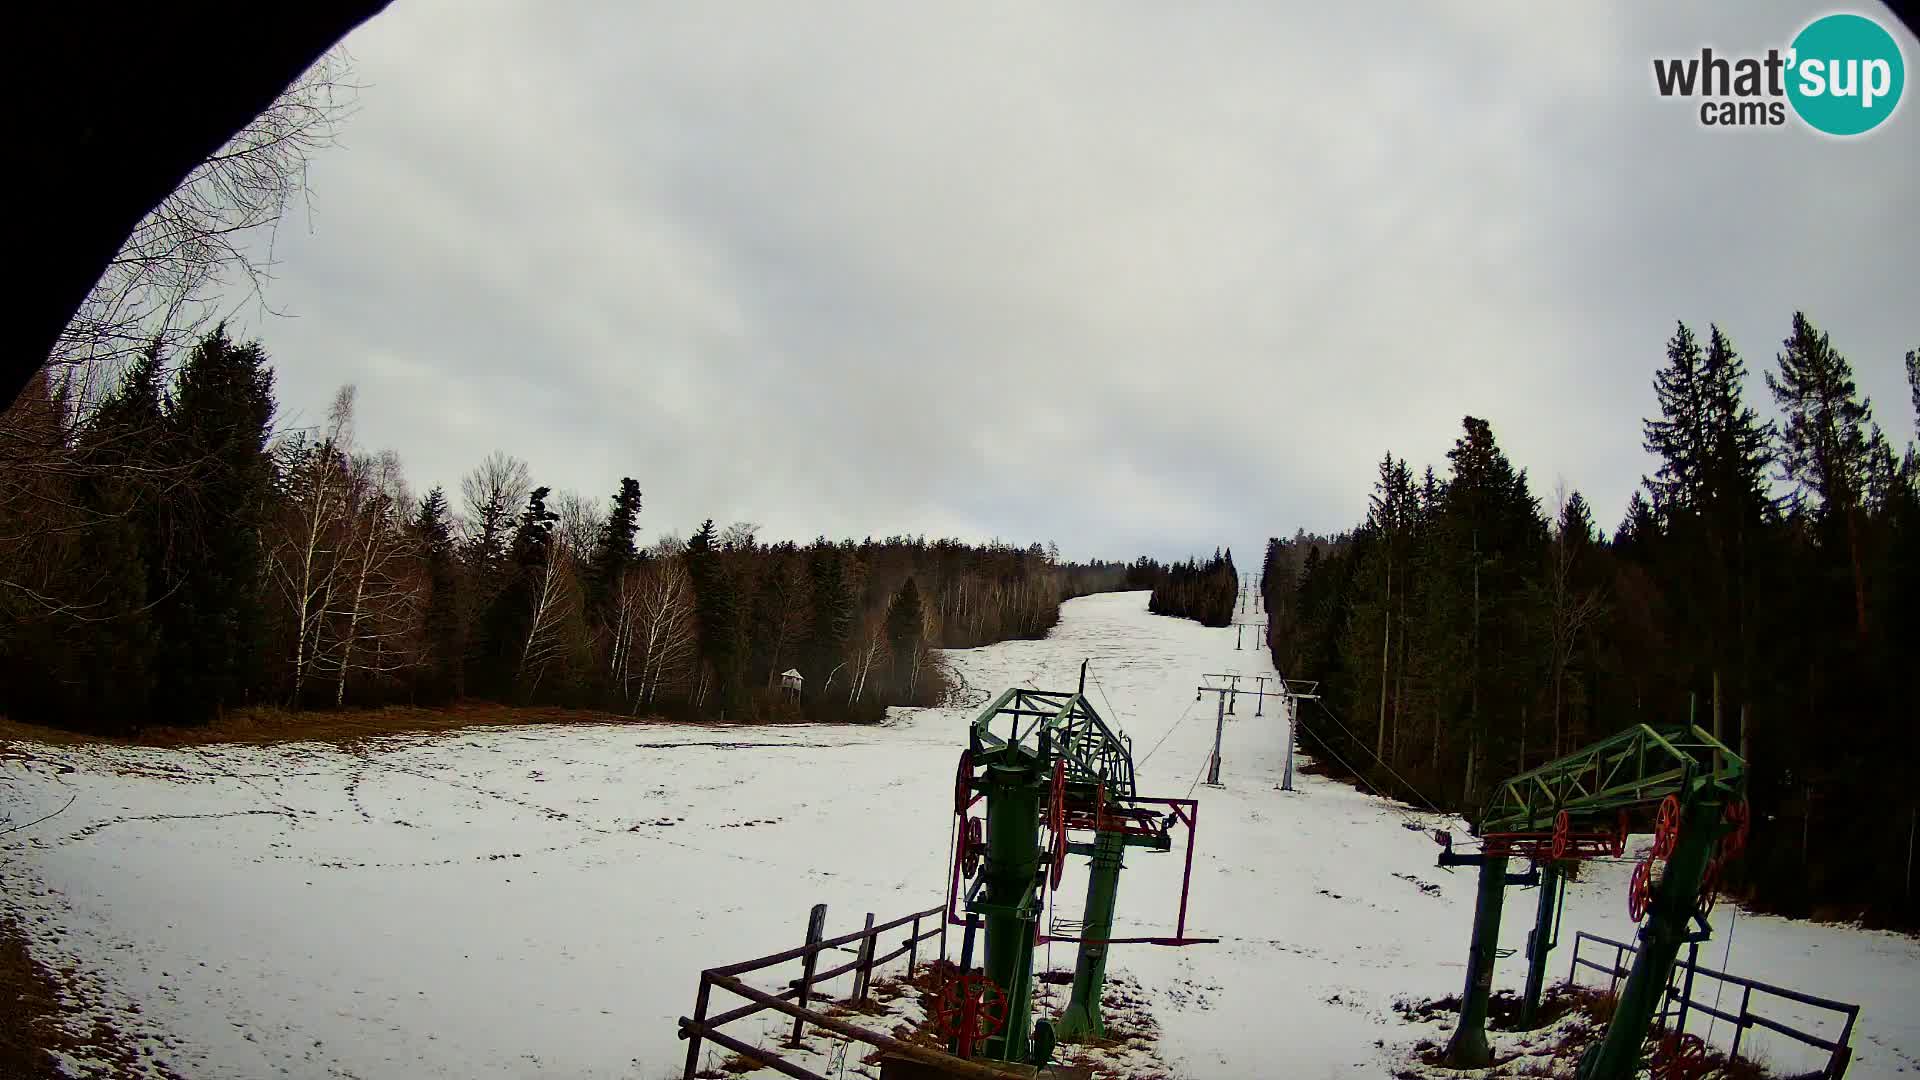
(381, 601)
(216, 231)
(554, 594)
(304, 557)
(579, 524)
(663, 627)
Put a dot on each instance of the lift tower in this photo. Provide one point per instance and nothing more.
(1582, 806)
(1045, 761)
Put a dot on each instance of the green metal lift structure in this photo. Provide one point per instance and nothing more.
(1044, 762)
(1582, 806)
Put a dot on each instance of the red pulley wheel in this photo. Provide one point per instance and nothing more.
(972, 845)
(1057, 821)
(963, 783)
(1562, 826)
(1739, 816)
(1709, 889)
(1684, 1057)
(1666, 827)
(1640, 889)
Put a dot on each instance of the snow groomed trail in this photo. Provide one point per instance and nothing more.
(518, 902)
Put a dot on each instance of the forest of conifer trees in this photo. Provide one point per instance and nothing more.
(1202, 591)
(167, 556)
(1763, 583)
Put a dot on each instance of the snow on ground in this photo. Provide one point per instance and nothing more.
(513, 902)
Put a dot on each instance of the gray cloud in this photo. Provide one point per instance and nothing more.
(1132, 277)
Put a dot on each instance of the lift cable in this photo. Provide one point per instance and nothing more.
(1396, 805)
(1390, 771)
(1164, 734)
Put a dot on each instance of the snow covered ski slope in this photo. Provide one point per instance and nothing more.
(538, 901)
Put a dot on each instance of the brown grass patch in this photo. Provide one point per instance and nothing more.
(29, 1008)
(35, 1021)
(265, 725)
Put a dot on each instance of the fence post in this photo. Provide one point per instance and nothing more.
(863, 975)
(1740, 1025)
(943, 934)
(913, 947)
(1686, 989)
(700, 1018)
(1613, 984)
(1574, 964)
(816, 930)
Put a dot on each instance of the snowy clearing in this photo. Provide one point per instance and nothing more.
(513, 902)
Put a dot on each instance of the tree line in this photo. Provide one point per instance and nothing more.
(167, 555)
(1762, 584)
(1202, 591)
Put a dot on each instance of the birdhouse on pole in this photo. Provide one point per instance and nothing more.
(790, 681)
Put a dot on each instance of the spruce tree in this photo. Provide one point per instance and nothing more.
(613, 550)
(715, 609)
(443, 627)
(211, 613)
(1829, 444)
(904, 628)
(510, 617)
(833, 612)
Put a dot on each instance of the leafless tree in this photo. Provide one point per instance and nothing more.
(305, 538)
(791, 605)
(739, 536)
(554, 590)
(494, 494)
(869, 648)
(216, 231)
(660, 596)
(380, 597)
(579, 525)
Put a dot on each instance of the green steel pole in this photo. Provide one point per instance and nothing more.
(1082, 1017)
(1617, 1057)
(1013, 863)
(1539, 943)
(1469, 1049)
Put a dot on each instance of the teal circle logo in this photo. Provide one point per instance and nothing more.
(1845, 74)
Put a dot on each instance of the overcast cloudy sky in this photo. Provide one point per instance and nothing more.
(1135, 277)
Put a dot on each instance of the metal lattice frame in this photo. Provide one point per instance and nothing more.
(1070, 728)
(1638, 766)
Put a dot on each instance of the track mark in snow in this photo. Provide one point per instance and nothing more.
(1427, 887)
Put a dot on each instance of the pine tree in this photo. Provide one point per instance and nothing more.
(444, 626)
(211, 613)
(905, 618)
(510, 618)
(834, 612)
(1828, 447)
(715, 609)
(613, 550)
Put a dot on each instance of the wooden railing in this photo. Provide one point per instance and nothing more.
(1680, 1001)
(792, 1001)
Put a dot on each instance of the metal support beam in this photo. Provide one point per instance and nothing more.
(1539, 943)
(1469, 1049)
(1081, 1020)
(1675, 899)
(1219, 728)
(1012, 867)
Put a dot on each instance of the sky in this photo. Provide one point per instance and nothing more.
(1135, 278)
